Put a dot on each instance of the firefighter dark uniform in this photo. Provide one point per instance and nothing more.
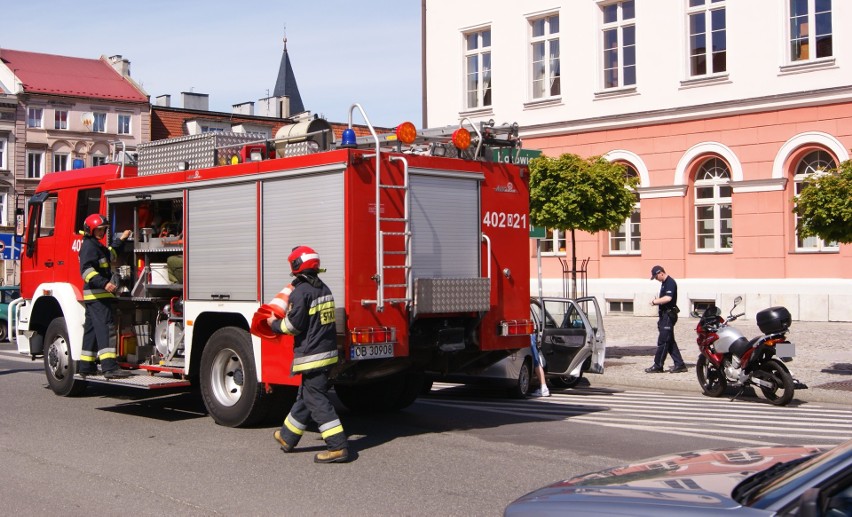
(99, 334)
(310, 320)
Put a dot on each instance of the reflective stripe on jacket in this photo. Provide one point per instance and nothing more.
(95, 260)
(310, 320)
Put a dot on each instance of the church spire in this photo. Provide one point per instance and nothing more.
(286, 85)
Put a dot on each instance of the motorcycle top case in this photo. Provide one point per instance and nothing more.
(774, 320)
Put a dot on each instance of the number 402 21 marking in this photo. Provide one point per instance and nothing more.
(505, 220)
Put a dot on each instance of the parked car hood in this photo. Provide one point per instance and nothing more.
(698, 481)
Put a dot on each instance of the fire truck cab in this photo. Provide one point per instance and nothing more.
(423, 238)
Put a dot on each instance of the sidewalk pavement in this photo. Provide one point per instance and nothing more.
(823, 359)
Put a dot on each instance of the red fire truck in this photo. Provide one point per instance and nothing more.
(423, 237)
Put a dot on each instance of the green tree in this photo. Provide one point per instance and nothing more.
(574, 193)
(825, 205)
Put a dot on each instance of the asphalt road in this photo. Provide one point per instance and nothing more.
(457, 451)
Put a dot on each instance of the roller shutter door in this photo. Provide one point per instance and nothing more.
(305, 210)
(222, 260)
(444, 227)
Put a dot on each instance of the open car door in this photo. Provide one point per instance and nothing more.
(573, 340)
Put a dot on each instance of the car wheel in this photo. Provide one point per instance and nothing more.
(58, 365)
(229, 386)
(566, 381)
(522, 383)
(4, 331)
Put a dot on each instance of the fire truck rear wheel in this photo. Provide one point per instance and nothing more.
(58, 365)
(229, 386)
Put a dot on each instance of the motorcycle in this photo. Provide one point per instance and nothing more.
(728, 358)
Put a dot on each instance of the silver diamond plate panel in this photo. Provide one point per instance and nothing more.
(140, 379)
(434, 295)
(199, 151)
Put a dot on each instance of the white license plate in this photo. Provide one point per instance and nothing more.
(359, 352)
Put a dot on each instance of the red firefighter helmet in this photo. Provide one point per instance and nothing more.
(303, 258)
(94, 221)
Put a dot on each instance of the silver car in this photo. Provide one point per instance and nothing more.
(770, 481)
(573, 342)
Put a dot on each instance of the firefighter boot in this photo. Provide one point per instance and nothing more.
(338, 456)
(284, 445)
(117, 373)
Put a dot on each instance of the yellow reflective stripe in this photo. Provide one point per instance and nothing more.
(98, 295)
(87, 359)
(89, 274)
(107, 355)
(321, 307)
(314, 364)
(331, 432)
(292, 428)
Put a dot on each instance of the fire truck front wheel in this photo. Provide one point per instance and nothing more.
(229, 386)
(58, 365)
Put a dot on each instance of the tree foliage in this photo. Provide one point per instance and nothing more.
(573, 193)
(824, 206)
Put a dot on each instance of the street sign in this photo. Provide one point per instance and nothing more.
(8, 248)
(538, 232)
(506, 155)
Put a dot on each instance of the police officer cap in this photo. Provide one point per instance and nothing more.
(656, 270)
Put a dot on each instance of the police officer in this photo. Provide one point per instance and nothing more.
(309, 318)
(99, 336)
(667, 302)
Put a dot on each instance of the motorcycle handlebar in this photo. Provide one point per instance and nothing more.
(732, 317)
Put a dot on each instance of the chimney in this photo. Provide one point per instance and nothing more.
(164, 100)
(244, 108)
(120, 64)
(284, 103)
(196, 101)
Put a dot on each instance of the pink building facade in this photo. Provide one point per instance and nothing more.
(722, 109)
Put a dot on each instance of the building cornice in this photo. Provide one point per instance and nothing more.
(791, 100)
(763, 185)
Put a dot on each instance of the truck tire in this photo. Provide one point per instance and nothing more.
(4, 331)
(58, 365)
(229, 386)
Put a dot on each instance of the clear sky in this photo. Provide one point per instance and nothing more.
(342, 52)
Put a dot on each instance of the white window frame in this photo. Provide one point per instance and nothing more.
(545, 75)
(555, 244)
(803, 173)
(717, 203)
(4, 216)
(99, 125)
(808, 20)
(619, 25)
(35, 117)
(631, 229)
(60, 122)
(3, 153)
(124, 124)
(35, 164)
(58, 157)
(707, 11)
(478, 57)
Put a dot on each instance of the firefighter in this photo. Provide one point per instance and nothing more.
(309, 318)
(99, 336)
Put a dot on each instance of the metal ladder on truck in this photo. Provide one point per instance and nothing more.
(388, 229)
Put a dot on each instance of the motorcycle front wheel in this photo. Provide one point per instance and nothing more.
(780, 393)
(712, 380)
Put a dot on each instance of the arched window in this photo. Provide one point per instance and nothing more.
(713, 221)
(812, 164)
(627, 239)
